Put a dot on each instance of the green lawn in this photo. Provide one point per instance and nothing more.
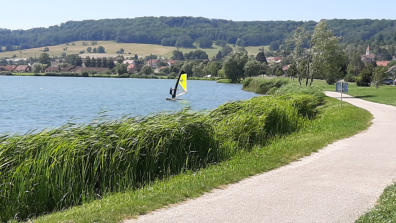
(385, 210)
(332, 123)
(385, 94)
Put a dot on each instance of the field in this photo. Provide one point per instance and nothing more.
(111, 48)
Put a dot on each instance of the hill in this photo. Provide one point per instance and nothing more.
(111, 48)
(185, 31)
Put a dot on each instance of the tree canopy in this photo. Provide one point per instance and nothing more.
(184, 31)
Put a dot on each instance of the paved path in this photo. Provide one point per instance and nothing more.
(337, 184)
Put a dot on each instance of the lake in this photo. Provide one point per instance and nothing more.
(35, 103)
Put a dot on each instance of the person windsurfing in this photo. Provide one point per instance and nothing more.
(182, 81)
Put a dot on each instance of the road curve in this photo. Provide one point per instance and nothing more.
(337, 184)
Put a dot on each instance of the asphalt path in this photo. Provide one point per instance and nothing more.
(337, 184)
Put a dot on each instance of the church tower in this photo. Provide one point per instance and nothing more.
(368, 50)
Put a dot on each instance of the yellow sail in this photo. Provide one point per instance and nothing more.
(183, 81)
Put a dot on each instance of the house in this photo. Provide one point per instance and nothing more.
(171, 62)
(67, 68)
(22, 68)
(9, 68)
(97, 70)
(160, 69)
(52, 69)
(286, 68)
(382, 63)
(273, 60)
(128, 62)
(368, 57)
(131, 68)
(152, 62)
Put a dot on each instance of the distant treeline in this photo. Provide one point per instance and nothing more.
(185, 31)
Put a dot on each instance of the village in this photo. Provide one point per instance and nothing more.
(92, 64)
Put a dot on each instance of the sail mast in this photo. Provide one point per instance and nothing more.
(177, 84)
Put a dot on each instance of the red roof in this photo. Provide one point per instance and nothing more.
(22, 68)
(131, 66)
(382, 63)
(9, 67)
(171, 62)
(285, 68)
(52, 69)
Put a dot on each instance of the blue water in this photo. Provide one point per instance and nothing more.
(36, 103)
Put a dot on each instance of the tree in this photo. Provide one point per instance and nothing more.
(365, 77)
(38, 68)
(204, 42)
(252, 68)
(221, 43)
(184, 42)
(196, 54)
(233, 67)
(292, 72)
(89, 49)
(301, 59)
(379, 75)
(327, 56)
(212, 68)
(198, 69)
(101, 49)
(219, 55)
(226, 50)
(147, 70)
(121, 68)
(188, 67)
(260, 57)
(73, 59)
(45, 59)
(177, 55)
(121, 51)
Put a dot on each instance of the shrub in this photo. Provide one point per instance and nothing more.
(6, 73)
(264, 85)
(350, 78)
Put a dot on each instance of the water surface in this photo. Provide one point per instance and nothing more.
(36, 103)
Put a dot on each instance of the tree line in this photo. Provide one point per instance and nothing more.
(191, 31)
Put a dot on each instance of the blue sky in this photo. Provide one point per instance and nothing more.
(23, 14)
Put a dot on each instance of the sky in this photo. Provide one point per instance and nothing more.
(25, 14)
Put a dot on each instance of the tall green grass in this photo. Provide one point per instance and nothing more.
(52, 170)
(263, 85)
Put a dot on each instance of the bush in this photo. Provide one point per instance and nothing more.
(365, 77)
(350, 78)
(264, 85)
(5, 73)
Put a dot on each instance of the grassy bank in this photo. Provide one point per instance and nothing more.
(385, 210)
(264, 85)
(330, 124)
(56, 169)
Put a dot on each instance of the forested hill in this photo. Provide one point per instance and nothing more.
(184, 31)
